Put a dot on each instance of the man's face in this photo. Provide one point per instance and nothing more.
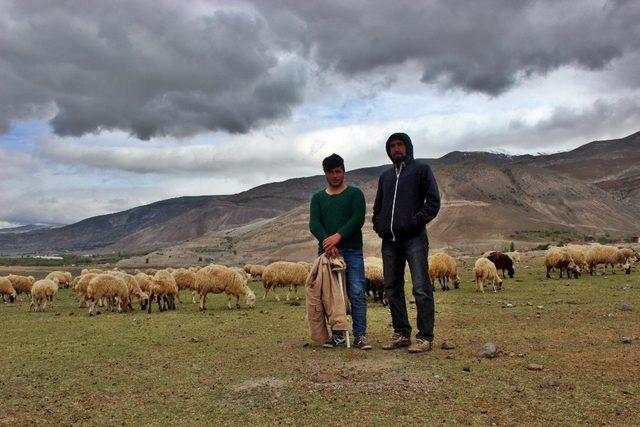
(335, 176)
(398, 151)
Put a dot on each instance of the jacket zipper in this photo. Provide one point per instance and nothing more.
(393, 206)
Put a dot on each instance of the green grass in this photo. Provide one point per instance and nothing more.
(254, 366)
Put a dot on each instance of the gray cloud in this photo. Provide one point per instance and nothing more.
(164, 68)
(484, 47)
(150, 68)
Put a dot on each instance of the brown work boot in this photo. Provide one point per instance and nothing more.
(420, 345)
(396, 341)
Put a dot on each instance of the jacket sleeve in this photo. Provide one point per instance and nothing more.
(377, 205)
(315, 225)
(356, 221)
(429, 190)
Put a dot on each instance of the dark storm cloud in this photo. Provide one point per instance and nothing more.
(151, 68)
(477, 46)
(180, 68)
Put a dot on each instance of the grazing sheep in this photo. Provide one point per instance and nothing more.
(247, 268)
(443, 267)
(630, 254)
(562, 260)
(607, 255)
(515, 256)
(284, 273)
(185, 279)
(134, 290)
(80, 287)
(6, 288)
(151, 271)
(216, 279)
(578, 254)
(256, 271)
(485, 270)
(91, 270)
(42, 291)
(21, 284)
(164, 289)
(110, 287)
(374, 282)
(502, 262)
(64, 278)
(372, 260)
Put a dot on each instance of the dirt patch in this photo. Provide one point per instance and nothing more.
(258, 383)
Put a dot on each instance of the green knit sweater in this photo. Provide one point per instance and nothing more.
(339, 213)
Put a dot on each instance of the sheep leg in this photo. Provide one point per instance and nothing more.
(151, 295)
(560, 276)
(193, 296)
(266, 291)
(548, 273)
(289, 291)
(178, 297)
(275, 292)
(229, 302)
(295, 292)
(203, 302)
(238, 301)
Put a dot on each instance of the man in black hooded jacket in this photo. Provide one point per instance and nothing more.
(406, 201)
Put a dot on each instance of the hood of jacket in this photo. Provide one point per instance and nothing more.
(407, 142)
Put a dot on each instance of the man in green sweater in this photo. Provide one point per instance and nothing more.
(336, 220)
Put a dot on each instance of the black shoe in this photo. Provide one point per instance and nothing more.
(335, 340)
(362, 343)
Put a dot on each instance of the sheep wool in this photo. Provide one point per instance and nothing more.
(443, 267)
(485, 271)
(284, 273)
(42, 291)
(6, 290)
(217, 279)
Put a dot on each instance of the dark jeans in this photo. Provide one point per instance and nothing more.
(395, 255)
(355, 289)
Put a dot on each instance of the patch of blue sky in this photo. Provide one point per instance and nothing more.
(23, 135)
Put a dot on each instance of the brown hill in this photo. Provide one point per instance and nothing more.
(488, 200)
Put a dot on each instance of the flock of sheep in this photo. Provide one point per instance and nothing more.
(116, 290)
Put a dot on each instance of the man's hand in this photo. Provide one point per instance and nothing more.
(331, 241)
(332, 252)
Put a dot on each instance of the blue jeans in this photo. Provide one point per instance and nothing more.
(395, 255)
(355, 289)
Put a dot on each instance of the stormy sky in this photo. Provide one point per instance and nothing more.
(106, 105)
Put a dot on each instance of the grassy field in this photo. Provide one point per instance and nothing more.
(258, 366)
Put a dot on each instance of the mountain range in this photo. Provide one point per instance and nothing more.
(488, 201)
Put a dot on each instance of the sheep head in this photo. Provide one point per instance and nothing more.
(456, 281)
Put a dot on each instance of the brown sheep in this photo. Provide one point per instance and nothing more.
(42, 291)
(164, 289)
(562, 260)
(502, 262)
(443, 267)
(6, 289)
(21, 284)
(64, 278)
(485, 270)
(185, 279)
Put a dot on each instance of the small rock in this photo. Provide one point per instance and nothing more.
(57, 314)
(529, 304)
(558, 301)
(626, 307)
(488, 350)
(305, 344)
(624, 391)
(294, 303)
(507, 305)
(195, 339)
(627, 340)
(512, 354)
(448, 345)
(539, 307)
(450, 357)
(535, 367)
(519, 389)
(553, 383)
(572, 302)
(538, 316)
(466, 368)
(264, 311)
(71, 313)
(520, 354)
(282, 317)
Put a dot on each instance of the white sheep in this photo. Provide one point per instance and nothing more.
(443, 267)
(42, 291)
(110, 287)
(485, 270)
(374, 282)
(284, 273)
(607, 255)
(164, 289)
(217, 279)
(64, 278)
(185, 279)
